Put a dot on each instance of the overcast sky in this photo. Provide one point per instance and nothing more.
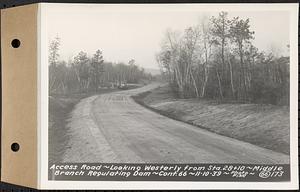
(124, 33)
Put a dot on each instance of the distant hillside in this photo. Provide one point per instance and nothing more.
(152, 71)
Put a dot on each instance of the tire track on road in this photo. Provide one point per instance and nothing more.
(123, 131)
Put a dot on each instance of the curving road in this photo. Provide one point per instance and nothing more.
(112, 128)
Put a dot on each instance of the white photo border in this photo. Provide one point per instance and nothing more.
(44, 183)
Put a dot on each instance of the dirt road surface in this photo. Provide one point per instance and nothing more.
(112, 128)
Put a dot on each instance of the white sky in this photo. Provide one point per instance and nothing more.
(124, 32)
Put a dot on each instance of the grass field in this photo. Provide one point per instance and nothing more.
(263, 125)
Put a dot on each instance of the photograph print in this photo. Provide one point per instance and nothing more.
(168, 84)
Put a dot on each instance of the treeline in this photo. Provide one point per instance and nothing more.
(85, 74)
(216, 59)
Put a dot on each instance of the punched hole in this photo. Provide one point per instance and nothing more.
(15, 147)
(15, 43)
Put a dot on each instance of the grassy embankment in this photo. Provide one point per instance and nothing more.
(263, 125)
(60, 107)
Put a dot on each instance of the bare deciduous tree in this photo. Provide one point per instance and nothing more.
(217, 59)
